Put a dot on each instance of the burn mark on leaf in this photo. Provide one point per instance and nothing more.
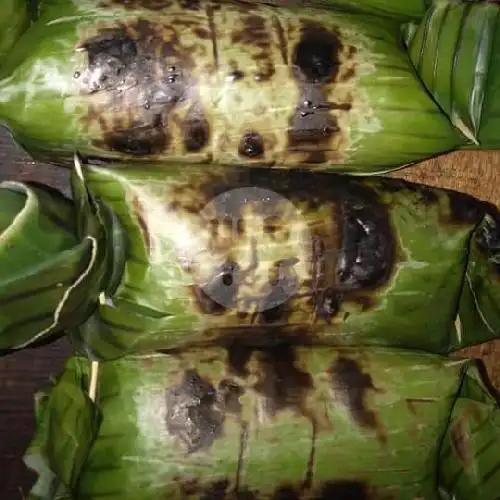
(229, 393)
(344, 490)
(350, 386)
(316, 56)
(316, 64)
(138, 140)
(193, 415)
(190, 4)
(109, 57)
(282, 382)
(251, 145)
(256, 35)
(465, 209)
(142, 72)
(196, 130)
(368, 248)
(352, 253)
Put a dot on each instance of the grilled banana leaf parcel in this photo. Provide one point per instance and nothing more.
(51, 262)
(219, 82)
(304, 423)
(261, 254)
(456, 51)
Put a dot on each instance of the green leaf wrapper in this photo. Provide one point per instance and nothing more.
(261, 255)
(304, 423)
(407, 10)
(220, 82)
(456, 51)
(14, 20)
(66, 426)
(53, 262)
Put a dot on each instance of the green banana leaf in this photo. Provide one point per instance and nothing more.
(14, 20)
(53, 262)
(266, 254)
(403, 10)
(219, 82)
(304, 423)
(66, 423)
(456, 51)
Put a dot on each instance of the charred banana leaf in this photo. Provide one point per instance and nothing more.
(266, 254)
(303, 423)
(14, 20)
(53, 262)
(219, 82)
(456, 51)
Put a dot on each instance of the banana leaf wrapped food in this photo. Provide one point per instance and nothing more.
(52, 262)
(220, 82)
(265, 254)
(284, 423)
(456, 51)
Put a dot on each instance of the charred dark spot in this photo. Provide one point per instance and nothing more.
(328, 304)
(465, 209)
(216, 491)
(276, 227)
(109, 57)
(344, 490)
(254, 32)
(146, 72)
(238, 356)
(190, 4)
(286, 492)
(139, 140)
(274, 306)
(192, 413)
(264, 76)
(348, 75)
(316, 56)
(425, 194)
(351, 385)
(256, 35)
(316, 62)
(368, 250)
(196, 131)
(230, 393)
(251, 145)
(202, 33)
(246, 494)
(283, 283)
(236, 75)
(282, 382)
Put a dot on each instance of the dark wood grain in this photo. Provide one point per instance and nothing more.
(24, 373)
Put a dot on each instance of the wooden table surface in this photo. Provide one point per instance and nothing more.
(24, 373)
